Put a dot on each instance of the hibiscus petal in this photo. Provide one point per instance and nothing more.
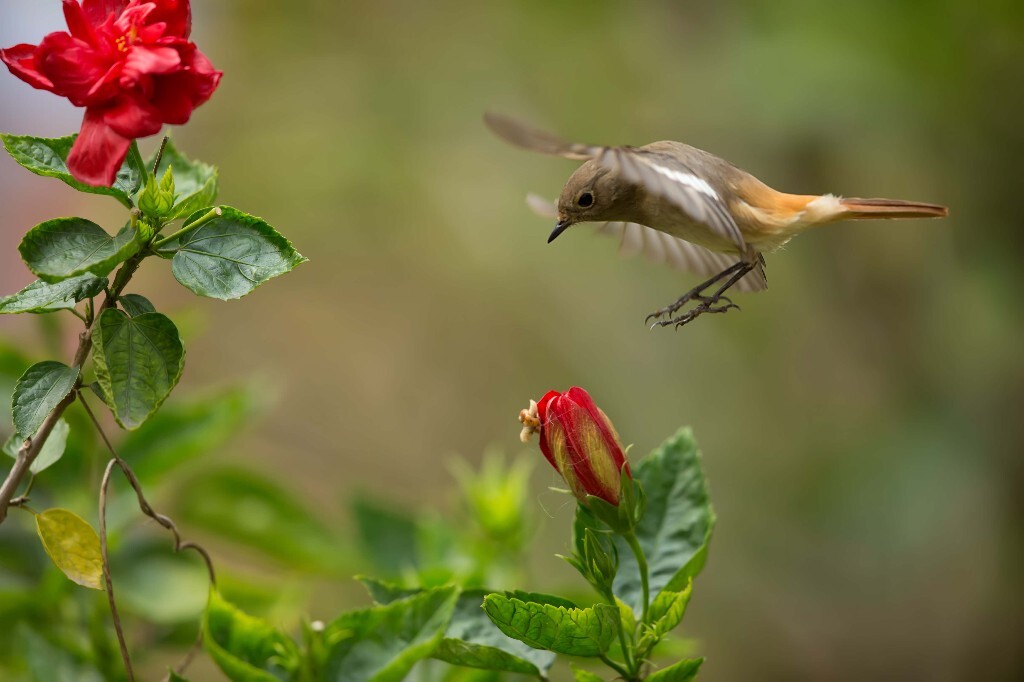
(21, 61)
(177, 94)
(176, 13)
(73, 66)
(133, 117)
(78, 23)
(98, 151)
(147, 60)
(99, 10)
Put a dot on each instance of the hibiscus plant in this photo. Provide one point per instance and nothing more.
(449, 602)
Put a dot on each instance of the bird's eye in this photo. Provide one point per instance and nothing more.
(586, 199)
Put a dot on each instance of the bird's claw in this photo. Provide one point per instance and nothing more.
(708, 304)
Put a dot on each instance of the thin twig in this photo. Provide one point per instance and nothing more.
(106, 572)
(148, 510)
(144, 505)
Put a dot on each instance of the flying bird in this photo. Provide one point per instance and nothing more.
(698, 212)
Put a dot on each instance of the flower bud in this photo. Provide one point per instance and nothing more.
(157, 199)
(580, 443)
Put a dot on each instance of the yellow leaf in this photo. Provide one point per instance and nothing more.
(73, 545)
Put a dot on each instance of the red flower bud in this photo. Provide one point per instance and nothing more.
(580, 443)
(130, 64)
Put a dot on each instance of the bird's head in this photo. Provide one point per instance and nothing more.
(593, 194)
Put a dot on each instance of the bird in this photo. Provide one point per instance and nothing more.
(683, 205)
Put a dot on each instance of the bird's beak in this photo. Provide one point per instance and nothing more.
(560, 227)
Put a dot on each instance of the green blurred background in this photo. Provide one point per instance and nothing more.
(862, 422)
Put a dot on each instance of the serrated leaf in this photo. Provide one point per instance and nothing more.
(138, 361)
(68, 247)
(473, 641)
(49, 156)
(195, 182)
(246, 648)
(52, 450)
(676, 528)
(668, 608)
(73, 546)
(40, 389)
(683, 671)
(383, 643)
(43, 297)
(574, 632)
(581, 675)
(135, 304)
(229, 256)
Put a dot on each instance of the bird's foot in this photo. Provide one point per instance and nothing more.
(707, 304)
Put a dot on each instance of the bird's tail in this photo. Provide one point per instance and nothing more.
(874, 209)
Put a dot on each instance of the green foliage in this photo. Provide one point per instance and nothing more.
(135, 304)
(683, 671)
(676, 528)
(44, 297)
(195, 182)
(73, 546)
(581, 675)
(246, 648)
(52, 450)
(229, 255)
(138, 361)
(49, 157)
(48, 662)
(382, 643)
(67, 247)
(569, 631)
(38, 392)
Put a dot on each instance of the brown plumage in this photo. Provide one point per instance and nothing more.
(683, 205)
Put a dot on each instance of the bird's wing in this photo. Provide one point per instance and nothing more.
(670, 178)
(664, 248)
(526, 137)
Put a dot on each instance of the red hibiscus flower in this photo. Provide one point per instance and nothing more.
(130, 64)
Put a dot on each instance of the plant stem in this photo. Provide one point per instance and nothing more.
(198, 222)
(641, 562)
(31, 448)
(109, 584)
(616, 667)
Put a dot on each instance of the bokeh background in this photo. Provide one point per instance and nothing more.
(862, 422)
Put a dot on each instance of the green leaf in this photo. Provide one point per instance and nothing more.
(581, 675)
(381, 644)
(72, 545)
(668, 608)
(387, 535)
(43, 297)
(248, 508)
(52, 450)
(473, 641)
(683, 671)
(39, 390)
(135, 304)
(574, 632)
(138, 361)
(246, 648)
(676, 528)
(67, 247)
(175, 677)
(49, 156)
(230, 255)
(195, 182)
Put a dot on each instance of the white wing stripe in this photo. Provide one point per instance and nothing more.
(687, 179)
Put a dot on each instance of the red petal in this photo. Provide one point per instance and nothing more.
(176, 13)
(145, 60)
(132, 117)
(99, 10)
(74, 67)
(79, 23)
(21, 61)
(98, 151)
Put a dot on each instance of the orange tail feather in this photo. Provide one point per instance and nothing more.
(890, 208)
